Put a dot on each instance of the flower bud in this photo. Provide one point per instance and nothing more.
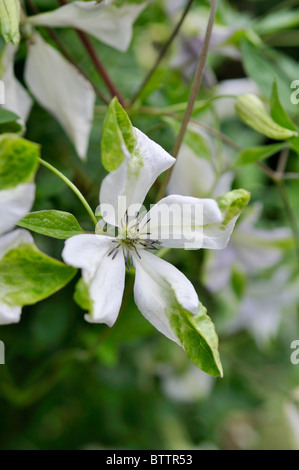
(254, 113)
(9, 20)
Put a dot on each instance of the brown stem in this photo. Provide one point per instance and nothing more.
(290, 213)
(162, 53)
(194, 93)
(97, 62)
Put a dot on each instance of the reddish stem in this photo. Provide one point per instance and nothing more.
(97, 62)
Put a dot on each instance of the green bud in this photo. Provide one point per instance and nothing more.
(10, 12)
(255, 114)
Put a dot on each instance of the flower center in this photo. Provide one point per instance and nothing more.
(130, 241)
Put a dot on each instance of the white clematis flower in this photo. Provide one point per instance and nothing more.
(17, 99)
(15, 203)
(160, 289)
(189, 386)
(54, 82)
(62, 90)
(251, 250)
(197, 176)
(105, 21)
(262, 307)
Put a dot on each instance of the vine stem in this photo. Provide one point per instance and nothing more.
(162, 54)
(290, 213)
(72, 186)
(97, 62)
(193, 95)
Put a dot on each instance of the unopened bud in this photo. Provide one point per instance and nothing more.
(9, 20)
(254, 113)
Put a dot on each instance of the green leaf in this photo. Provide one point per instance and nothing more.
(239, 283)
(55, 224)
(7, 116)
(120, 3)
(194, 140)
(278, 112)
(255, 154)
(118, 139)
(254, 113)
(232, 203)
(199, 339)
(9, 20)
(18, 160)
(8, 122)
(28, 276)
(278, 21)
(280, 115)
(153, 84)
(263, 64)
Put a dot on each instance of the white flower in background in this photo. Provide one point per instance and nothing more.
(173, 6)
(225, 107)
(62, 90)
(191, 41)
(57, 86)
(261, 308)
(105, 21)
(55, 83)
(187, 387)
(251, 250)
(160, 289)
(196, 176)
(17, 99)
(15, 203)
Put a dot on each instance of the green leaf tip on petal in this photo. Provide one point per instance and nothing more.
(18, 161)
(28, 276)
(81, 296)
(198, 336)
(10, 13)
(232, 203)
(118, 138)
(254, 113)
(55, 224)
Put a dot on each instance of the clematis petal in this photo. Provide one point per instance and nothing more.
(9, 314)
(231, 205)
(134, 177)
(191, 175)
(17, 99)
(15, 204)
(61, 90)
(160, 290)
(259, 249)
(181, 221)
(218, 269)
(262, 307)
(105, 21)
(103, 275)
